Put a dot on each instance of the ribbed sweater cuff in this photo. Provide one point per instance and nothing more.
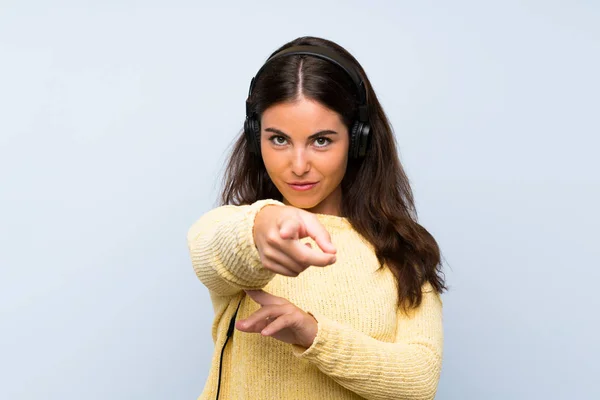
(324, 345)
(243, 260)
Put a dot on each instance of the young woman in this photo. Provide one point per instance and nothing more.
(316, 266)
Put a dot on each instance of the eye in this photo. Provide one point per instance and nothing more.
(275, 140)
(322, 141)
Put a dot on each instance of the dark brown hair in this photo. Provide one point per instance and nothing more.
(377, 198)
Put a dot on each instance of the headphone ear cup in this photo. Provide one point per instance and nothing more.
(256, 131)
(359, 139)
(352, 150)
(252, 132)
(364, 136)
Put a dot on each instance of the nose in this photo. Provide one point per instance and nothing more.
(300, 162)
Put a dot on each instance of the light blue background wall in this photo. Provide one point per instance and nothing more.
(114, 121)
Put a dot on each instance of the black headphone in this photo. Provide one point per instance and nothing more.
(360, 130)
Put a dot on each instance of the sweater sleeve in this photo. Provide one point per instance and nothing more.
(408, 368)
(222, 249)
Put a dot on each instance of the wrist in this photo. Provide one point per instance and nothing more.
(313, 331)
(262, 216)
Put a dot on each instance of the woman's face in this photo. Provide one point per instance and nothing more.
(305, 142)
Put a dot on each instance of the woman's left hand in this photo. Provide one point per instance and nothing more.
(279, 319)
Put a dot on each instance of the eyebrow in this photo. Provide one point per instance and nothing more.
(313, 136)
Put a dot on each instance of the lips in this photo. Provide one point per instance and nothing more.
(302, 185)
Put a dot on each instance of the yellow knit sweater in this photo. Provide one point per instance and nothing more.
(365, 347)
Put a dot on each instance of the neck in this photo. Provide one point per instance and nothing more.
(331, 205)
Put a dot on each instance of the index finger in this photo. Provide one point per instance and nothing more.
(306, 255)
(319, 234)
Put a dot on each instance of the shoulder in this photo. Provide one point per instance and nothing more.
(431, 295)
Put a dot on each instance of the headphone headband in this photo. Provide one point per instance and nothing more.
(325, 54)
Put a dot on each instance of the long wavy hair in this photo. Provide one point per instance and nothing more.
(376, 195)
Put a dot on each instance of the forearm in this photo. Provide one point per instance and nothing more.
(407, 368)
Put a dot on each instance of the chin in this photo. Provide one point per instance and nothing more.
(304, 203)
